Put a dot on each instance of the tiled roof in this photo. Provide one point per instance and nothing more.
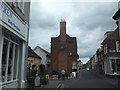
(113, 36)
(31, 53)
(48, 54)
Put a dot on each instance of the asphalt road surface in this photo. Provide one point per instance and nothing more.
(87, 79)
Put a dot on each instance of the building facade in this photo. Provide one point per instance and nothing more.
(14, 28)
(111, 53)
(45, 57)
(33, 59)
(100, 62)
(117, 18)
(63, 51)
(108, 56)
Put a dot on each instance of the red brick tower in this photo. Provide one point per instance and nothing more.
(63, 50)
(62, 56)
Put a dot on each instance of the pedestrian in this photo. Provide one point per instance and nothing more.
(76, 74)
(59, 75)
(63, 74)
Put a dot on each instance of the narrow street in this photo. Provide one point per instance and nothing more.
(44, 43)
(87, 79)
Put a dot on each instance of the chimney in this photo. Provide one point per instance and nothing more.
(63, 31)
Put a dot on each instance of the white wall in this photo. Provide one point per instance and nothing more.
(1, 46)
(42, 54)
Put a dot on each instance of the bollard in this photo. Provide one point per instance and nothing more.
(37, 81)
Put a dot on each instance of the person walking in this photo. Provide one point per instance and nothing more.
(63, 74)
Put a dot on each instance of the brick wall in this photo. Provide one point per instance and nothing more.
(63, 51)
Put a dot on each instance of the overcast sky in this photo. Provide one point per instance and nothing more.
(88, 21)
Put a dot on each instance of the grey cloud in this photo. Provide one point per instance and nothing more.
(88, 42)
(40, 18)
(91, 22)
(95, 15)
(86, 21)
(43, 22)
(86, 54)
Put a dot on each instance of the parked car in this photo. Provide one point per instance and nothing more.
(87, 69)
(54, 76)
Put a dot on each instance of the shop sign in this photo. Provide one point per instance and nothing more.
(8, 17)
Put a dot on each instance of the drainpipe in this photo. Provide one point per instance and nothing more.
(119, 41)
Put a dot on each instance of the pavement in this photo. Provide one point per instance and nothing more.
(113, 81)
(53, 84)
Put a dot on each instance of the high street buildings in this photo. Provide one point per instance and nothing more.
(33, 59)
(111, 54)
(14, 28)
(45, 57)
(108, 55)
(107, 58)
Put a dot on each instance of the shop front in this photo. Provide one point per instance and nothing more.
(13, 47)
(112, 66)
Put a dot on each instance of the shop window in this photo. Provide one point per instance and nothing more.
(10, 59)
(118, 65)
(105, 49)
(31, 61)
(4, 59)
(16, 61)
(113, 66)
(117, 46)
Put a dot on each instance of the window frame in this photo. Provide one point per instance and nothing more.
(117, 46)
(19, 4)
(14, 72)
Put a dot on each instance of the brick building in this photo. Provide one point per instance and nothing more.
(111, 53)
(100, 60)
(63, 51)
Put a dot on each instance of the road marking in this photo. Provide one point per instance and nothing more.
(62, 86)
(59, 86)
